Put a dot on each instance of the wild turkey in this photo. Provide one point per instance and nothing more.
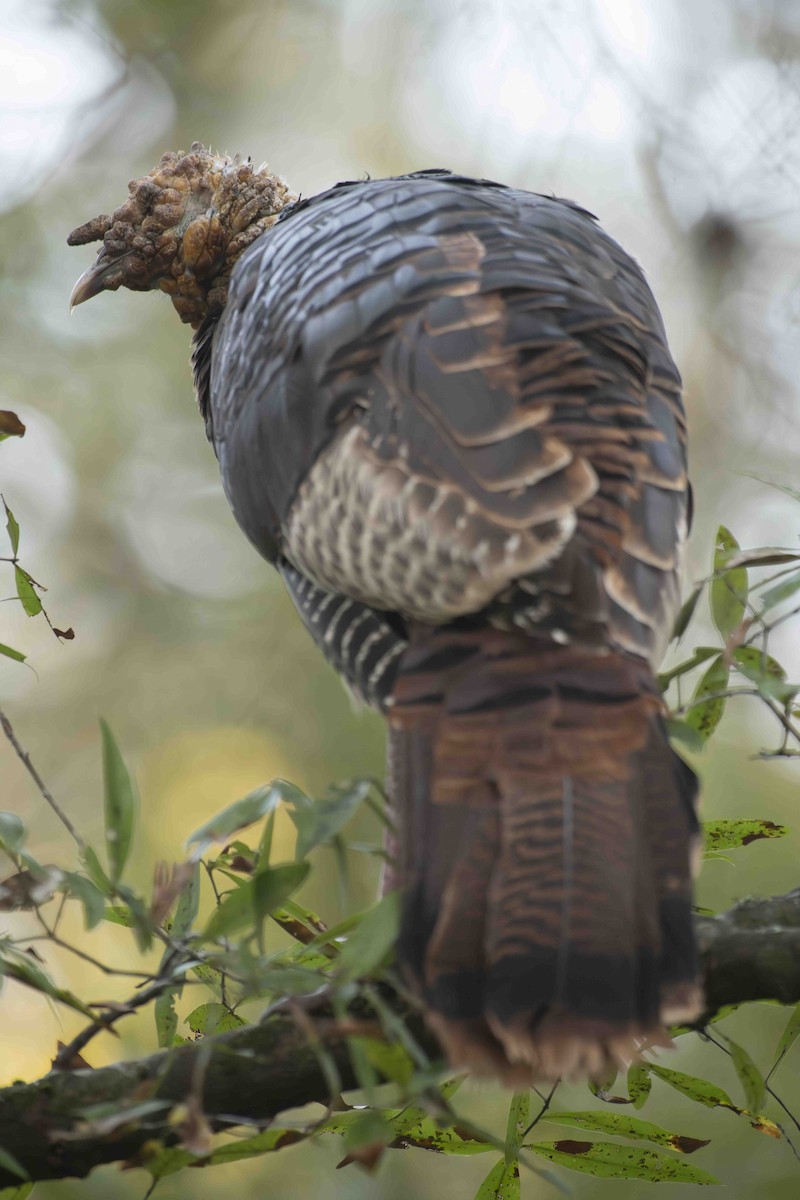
(446, 411)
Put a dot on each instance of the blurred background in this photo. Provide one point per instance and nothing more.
(677, 123)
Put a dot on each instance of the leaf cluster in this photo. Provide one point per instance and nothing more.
(745, 612)
(232, 927)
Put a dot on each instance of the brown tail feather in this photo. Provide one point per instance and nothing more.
(546, 828)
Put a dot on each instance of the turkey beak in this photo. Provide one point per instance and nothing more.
(93, 281)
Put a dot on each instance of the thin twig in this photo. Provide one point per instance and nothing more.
(25, 759)
(725, 695)
(546, 1102)
(223, 991)
(768, 626)
(109, 1018)
(51, 936)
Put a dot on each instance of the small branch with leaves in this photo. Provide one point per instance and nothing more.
(28, 590)
(131, 1112)
(745, 614)
(337, 1017)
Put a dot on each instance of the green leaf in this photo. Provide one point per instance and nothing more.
(213, 1018)
(285, 980)
(90, 897)
(699, 655)
(212, 977)
(776, 595)
(120, 804)
(639, 1085)
(9, 1163)
(788, 1037)
(370, 1129)
(165, 1162)
(628, 1127)
(606, 1160)
(373, 939)
(685, 735)
(95, 871)
(415, 1127)
(705, 715)
(696, 1089)
(725, 835)
(16, 964)
(729, 589)
(118, 914)
(324, 818)
(13, 529)
(28, 597)
(12, 832)
(140, 920)
(250, 903)
(392, 1061)
(10, 652)
(165, 1017)
(186, 908)
(751, 1079)
(161, 1162)
(262, 1143)
(244, 812)
(234, 912)
(24, 1190)
(273, 885)
(519, 1118)
(602, 1087)
(502, 1183)
(684, 617)
(766, 672)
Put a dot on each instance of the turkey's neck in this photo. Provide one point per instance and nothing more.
(212, 239)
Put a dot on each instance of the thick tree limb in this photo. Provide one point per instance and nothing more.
(752, 952)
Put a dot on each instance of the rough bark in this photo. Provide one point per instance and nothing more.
(751, 952)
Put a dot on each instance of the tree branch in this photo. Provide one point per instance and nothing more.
(751, 952)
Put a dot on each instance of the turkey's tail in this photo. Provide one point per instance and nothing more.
(546, 833)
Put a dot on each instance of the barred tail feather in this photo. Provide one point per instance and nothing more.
(546, 833)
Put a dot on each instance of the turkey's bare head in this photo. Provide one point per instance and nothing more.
(181, 230)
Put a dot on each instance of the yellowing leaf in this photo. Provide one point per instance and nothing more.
(725, 835)
(622, 1125)
(606, 1160)
(696, 1089)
